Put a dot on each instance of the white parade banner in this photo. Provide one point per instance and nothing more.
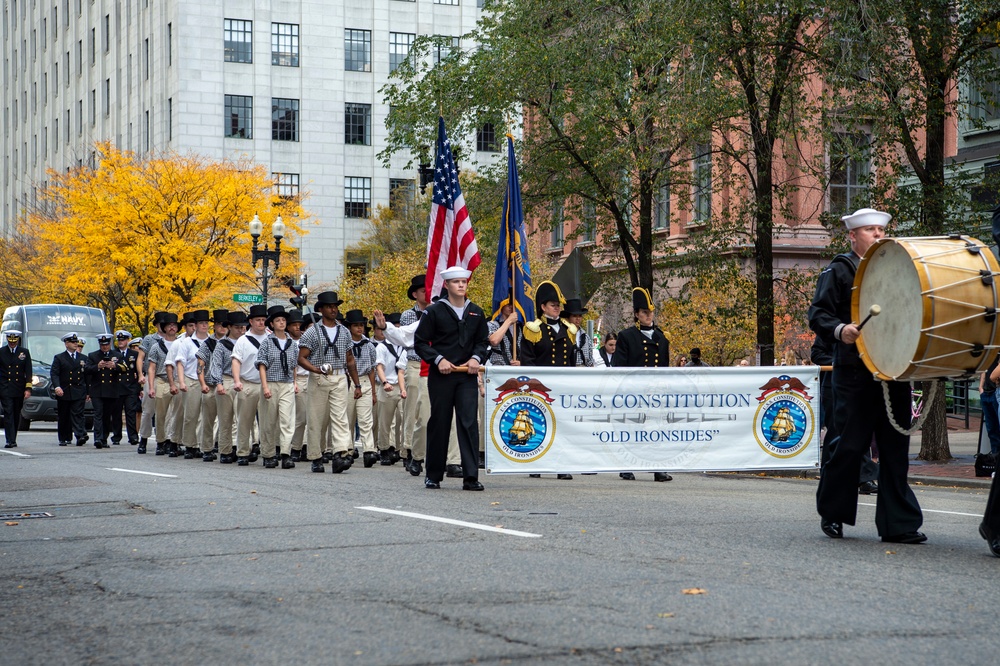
(574, 420)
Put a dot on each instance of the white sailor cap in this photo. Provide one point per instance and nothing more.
(70, 337)
(455, 273)
(13, 333)
(866, 217)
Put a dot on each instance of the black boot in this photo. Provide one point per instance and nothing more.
(287, 462)
(416, 467)
(161, 448)
(296, 455)
(370, 458)
(142, 446)
(173, 450)
(254, 452)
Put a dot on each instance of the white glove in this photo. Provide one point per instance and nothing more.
(326, 368)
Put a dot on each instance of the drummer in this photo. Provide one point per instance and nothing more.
(859, 408)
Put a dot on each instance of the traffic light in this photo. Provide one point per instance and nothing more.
(301, 293)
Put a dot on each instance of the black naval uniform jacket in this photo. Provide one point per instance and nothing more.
(440, 333)
(128, 377)
(635, 350)
(103, 383)
(545, 347)
(70, 375)
(831, 307)
(15, 371)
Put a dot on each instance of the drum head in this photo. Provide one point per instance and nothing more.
(890, 340)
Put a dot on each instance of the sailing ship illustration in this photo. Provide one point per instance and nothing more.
(521, 430)
(783, 425)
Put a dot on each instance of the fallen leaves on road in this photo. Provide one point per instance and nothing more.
(494, 503)
(890, 552)
(253, 492)
(665, 615)
(11, 523)
(694, 590)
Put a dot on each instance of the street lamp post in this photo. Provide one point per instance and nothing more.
(266, 255)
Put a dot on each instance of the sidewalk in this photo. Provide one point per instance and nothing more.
(960, 470)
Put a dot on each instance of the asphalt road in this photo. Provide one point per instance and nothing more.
(217, 564)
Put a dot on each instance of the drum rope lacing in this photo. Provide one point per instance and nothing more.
(923, 413)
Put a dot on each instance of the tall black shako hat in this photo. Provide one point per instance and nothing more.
(641, 300)
(545, 292)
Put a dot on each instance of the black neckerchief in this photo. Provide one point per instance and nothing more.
(552, 322)
(329, 344)
(646, 328)
(283, 353)
(358, 346)
(391, 348)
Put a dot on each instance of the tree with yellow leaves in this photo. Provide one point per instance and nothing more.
(133, 235)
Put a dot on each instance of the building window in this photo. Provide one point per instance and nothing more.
(106, 98)
(286, 185)
(589, 222)
(239, 117)
(357, 50)
(444, 46)
(238, 35)
(661, 212)
(402, 193)
(145, 59)
(357, 197)
(284, 119)
(446, 2)
(984, 95)
(170, 44)
(92, 45)
(358, 124)
(850, 164)
(285, 44)
(556, 238)
(170, 119)
(399, 49)
(106, 34)
(702, 167)
(486, 139)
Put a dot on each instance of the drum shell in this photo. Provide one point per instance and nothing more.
(935, 307)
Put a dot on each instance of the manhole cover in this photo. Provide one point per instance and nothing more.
(22, 516)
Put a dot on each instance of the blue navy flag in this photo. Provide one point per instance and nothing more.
(450, 240)
(512, 280)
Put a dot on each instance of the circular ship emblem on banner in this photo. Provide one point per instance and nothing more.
(523, 424)
(784, 422)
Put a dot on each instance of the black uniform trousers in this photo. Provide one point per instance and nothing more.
(869, 468)
(11, 406)
(132, 406)
(70, 420)
(455, 395)
(105, 409)
(860, 411)
(991, 516)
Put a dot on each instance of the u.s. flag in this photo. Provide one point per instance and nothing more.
(450, 241)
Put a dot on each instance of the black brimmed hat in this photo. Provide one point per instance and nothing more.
(328, 298)
(574, 306)
(354, 317)
(295, 316)
(237, 318)
(168, 318)
(416, 282)
(276, 311)
(220, 317)
(259, 310)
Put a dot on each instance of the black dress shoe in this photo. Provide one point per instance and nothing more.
(662, 476)
(416, 467)
(906, 537)
(534, 476)
(355, 453)
(82, 440)
(472, 485)
(453, 471)
(63, 443)
(370, 459)
(208, 457)
(433, 485)
(832, 529)
(317, 466)
(565, 477)
(627, 476)
(992, 539)
(141, 449)
(10, 445)
(341, 462)
(227, 458)
(868, 488)
(287, 462)
(296, 455)
(242, 461)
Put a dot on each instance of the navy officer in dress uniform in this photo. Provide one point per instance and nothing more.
(453, 332)
(15, 384)
(549, 341)
(69, 386)
(859, 408)
(102, 387)
(129, 389)
(642, 346)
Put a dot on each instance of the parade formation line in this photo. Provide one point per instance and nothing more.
(450, 521)
(135, 471)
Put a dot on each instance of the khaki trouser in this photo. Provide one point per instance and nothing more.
(173, 422)
(209, 415)
(301, 411)
(328, 396)
(246, 415)
(279, 417)
(162, 404)
(416, 411)
(192, 412)
(226, 410)
(148, 410)
(359, 412)
(390, 419)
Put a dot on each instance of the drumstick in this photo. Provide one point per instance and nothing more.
(873, 311)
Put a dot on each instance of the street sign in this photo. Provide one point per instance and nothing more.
(248, 298)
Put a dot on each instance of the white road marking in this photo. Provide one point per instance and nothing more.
(450, 521)
(953, 513)
(135, 471)
(15, 453)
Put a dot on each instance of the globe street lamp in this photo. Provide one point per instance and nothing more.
(266, 255)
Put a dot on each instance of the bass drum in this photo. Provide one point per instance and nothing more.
(939, 302)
